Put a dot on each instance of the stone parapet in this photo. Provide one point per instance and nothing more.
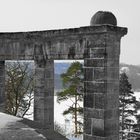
(2, 86)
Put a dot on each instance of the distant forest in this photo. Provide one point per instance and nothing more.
(133, 72)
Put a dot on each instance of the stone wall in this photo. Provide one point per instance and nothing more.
(102, 88)
(2, 86)
(99, 46)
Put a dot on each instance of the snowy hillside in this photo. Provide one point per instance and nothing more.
(133, 73)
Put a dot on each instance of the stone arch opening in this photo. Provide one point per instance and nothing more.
(19, 88)
(66, 122)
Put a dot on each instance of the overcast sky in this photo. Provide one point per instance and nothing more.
(31, 15)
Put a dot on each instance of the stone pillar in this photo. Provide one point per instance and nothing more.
(44, 93)
(2, 86)
(101, 99)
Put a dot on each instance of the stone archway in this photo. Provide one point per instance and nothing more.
(98, 45)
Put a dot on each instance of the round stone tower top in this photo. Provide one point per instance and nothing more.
(103, 17)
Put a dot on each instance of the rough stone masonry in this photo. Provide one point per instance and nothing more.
(98, 45)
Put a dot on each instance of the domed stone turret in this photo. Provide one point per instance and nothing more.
(103, 17)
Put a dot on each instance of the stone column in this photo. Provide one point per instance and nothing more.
(101, 99)
(44, 93)
(2, 86)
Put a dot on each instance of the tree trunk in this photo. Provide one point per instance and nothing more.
(122, 120)
(75, 115)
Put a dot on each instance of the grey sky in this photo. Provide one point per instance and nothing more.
(27, 15)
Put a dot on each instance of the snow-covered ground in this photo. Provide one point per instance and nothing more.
(64, 121)
(6, 120)
(137, 94)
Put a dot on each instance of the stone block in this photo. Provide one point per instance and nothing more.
(39, 102)
(112, 137)
(100, 62)
(112, 62)
(94, 113)
(87, 126)
(94, 87)
(43, 92)
(112, 51)
(112, 73)
(98, 52)
(40, 82)
(111, 127)
(44, 103)
(99, 101)
(49, 116)
(2, 63)
(39, 115)
(39, 72)
(28, 49)
(47, 84)
(99, 74)
(88, 100)
(88, 74)
(90, 137)
(49, 73)
(98, 127)
(2, 86)
(2, 90)
(112, 100)
(112, 87)
(95, 100)
(44, 117)
(111, 113)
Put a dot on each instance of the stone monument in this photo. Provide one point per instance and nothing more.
(98, 45)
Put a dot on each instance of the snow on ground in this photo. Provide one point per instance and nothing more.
(6, 119)
(137, 95)
(40, 135)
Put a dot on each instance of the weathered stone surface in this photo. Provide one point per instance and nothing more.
(2, 86)
(112, 100)
(94, 113)
(88, 100)
(103, 17)
(101, 86)
(98, 62)
(99, 46)
(90, 137)
(94, 87)
(57, 44)
(87, 127)
(98, 127)
(98, 52)
(111, 127)
(95, 100)
(44, 92)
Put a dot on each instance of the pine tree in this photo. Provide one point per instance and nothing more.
(137, 126)
(127, 104)
(73, 90)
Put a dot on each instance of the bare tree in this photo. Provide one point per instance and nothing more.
(19, 87)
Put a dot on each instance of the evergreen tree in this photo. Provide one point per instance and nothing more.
(137, 126)
(127, 104)
(73, 90)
